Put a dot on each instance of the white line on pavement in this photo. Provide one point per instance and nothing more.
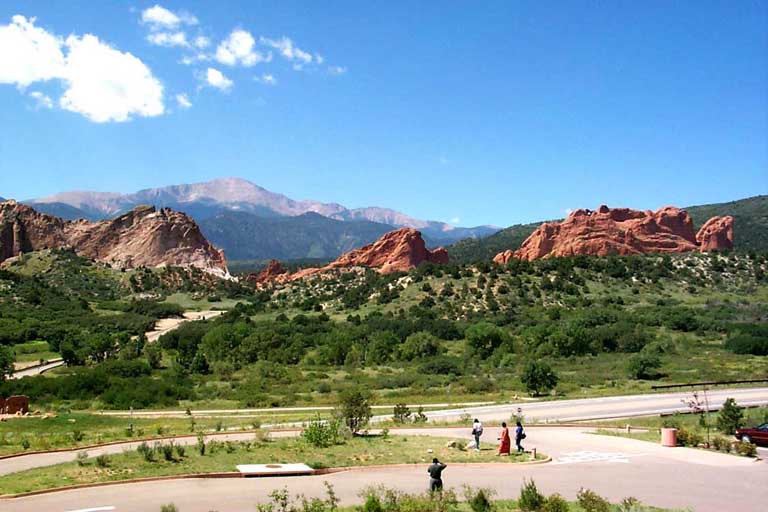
(95, 509)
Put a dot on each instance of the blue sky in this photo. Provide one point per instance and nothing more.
(476, 112)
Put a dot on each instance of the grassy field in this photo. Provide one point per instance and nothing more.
(71, 430)
(223, 457)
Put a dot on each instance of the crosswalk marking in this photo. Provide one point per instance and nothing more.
(95, 509)
(590, 456)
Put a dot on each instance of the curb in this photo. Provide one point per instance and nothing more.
(191, 476)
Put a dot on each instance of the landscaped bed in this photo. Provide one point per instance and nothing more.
(166, 459)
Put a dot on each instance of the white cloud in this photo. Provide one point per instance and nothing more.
(238, 48)
(455, 220)
(201, 42)
(183, 101)
(266, 79)
(337, 70)
(105, 84)
(216, 78)
(101, 83)
(319, 58)
(43, 100)
(168, 39)
(28, 54)
(287, 49)
(159, 18)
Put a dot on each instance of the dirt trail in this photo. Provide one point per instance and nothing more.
(165, 325)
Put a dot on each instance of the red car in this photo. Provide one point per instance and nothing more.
(757, 435)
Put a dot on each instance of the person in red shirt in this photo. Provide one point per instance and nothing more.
(506, 443)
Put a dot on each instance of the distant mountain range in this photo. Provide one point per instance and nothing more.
(250, 222)
(750, 230)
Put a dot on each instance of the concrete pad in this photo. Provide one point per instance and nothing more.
(274, 469)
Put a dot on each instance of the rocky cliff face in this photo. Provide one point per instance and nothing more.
(716, 234)
(273, 271)
(142, 237)
(399, 250)
(622, 231)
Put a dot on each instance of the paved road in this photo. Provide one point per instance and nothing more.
(603, 408)
(615, 467)
(37, 369)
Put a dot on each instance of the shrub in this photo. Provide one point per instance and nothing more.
(170, 507)
(180, 450)
(746, 449)
(82, 458)
(730, 417)
(530, 500)
(630, 504)
(102, 460)
(167, 450)
(479, 500)
(261, 435)
(321, 433)
(201, 443)
(590, 501)
(556, 503)
(644, 366)
(354, 408)
(721, 444)
(372, 504)
(78, 435)
(538, 377)
(401, 413)
(146, 452)
(25, 443)
(690, 438)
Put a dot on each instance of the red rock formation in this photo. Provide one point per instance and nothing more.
(273, 270)
(397, 251)
(142, 237)
(716, 234)
(619, 231)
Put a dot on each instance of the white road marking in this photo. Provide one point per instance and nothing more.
(95, 509)
(588, 456)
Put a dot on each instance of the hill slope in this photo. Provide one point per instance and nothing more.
(750, 220)
(750, 233)
(245, 236)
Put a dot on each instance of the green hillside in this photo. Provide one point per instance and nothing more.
(245, 236)
(750, 232)
(750, 220)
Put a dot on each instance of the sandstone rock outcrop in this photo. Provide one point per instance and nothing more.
(143, 236)
(716, 234)
(273, 271)
(397, 251)
(622, 231)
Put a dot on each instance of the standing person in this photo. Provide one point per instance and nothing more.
(477, 431)
(519, 436)
(436, 475)
(505, 444)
